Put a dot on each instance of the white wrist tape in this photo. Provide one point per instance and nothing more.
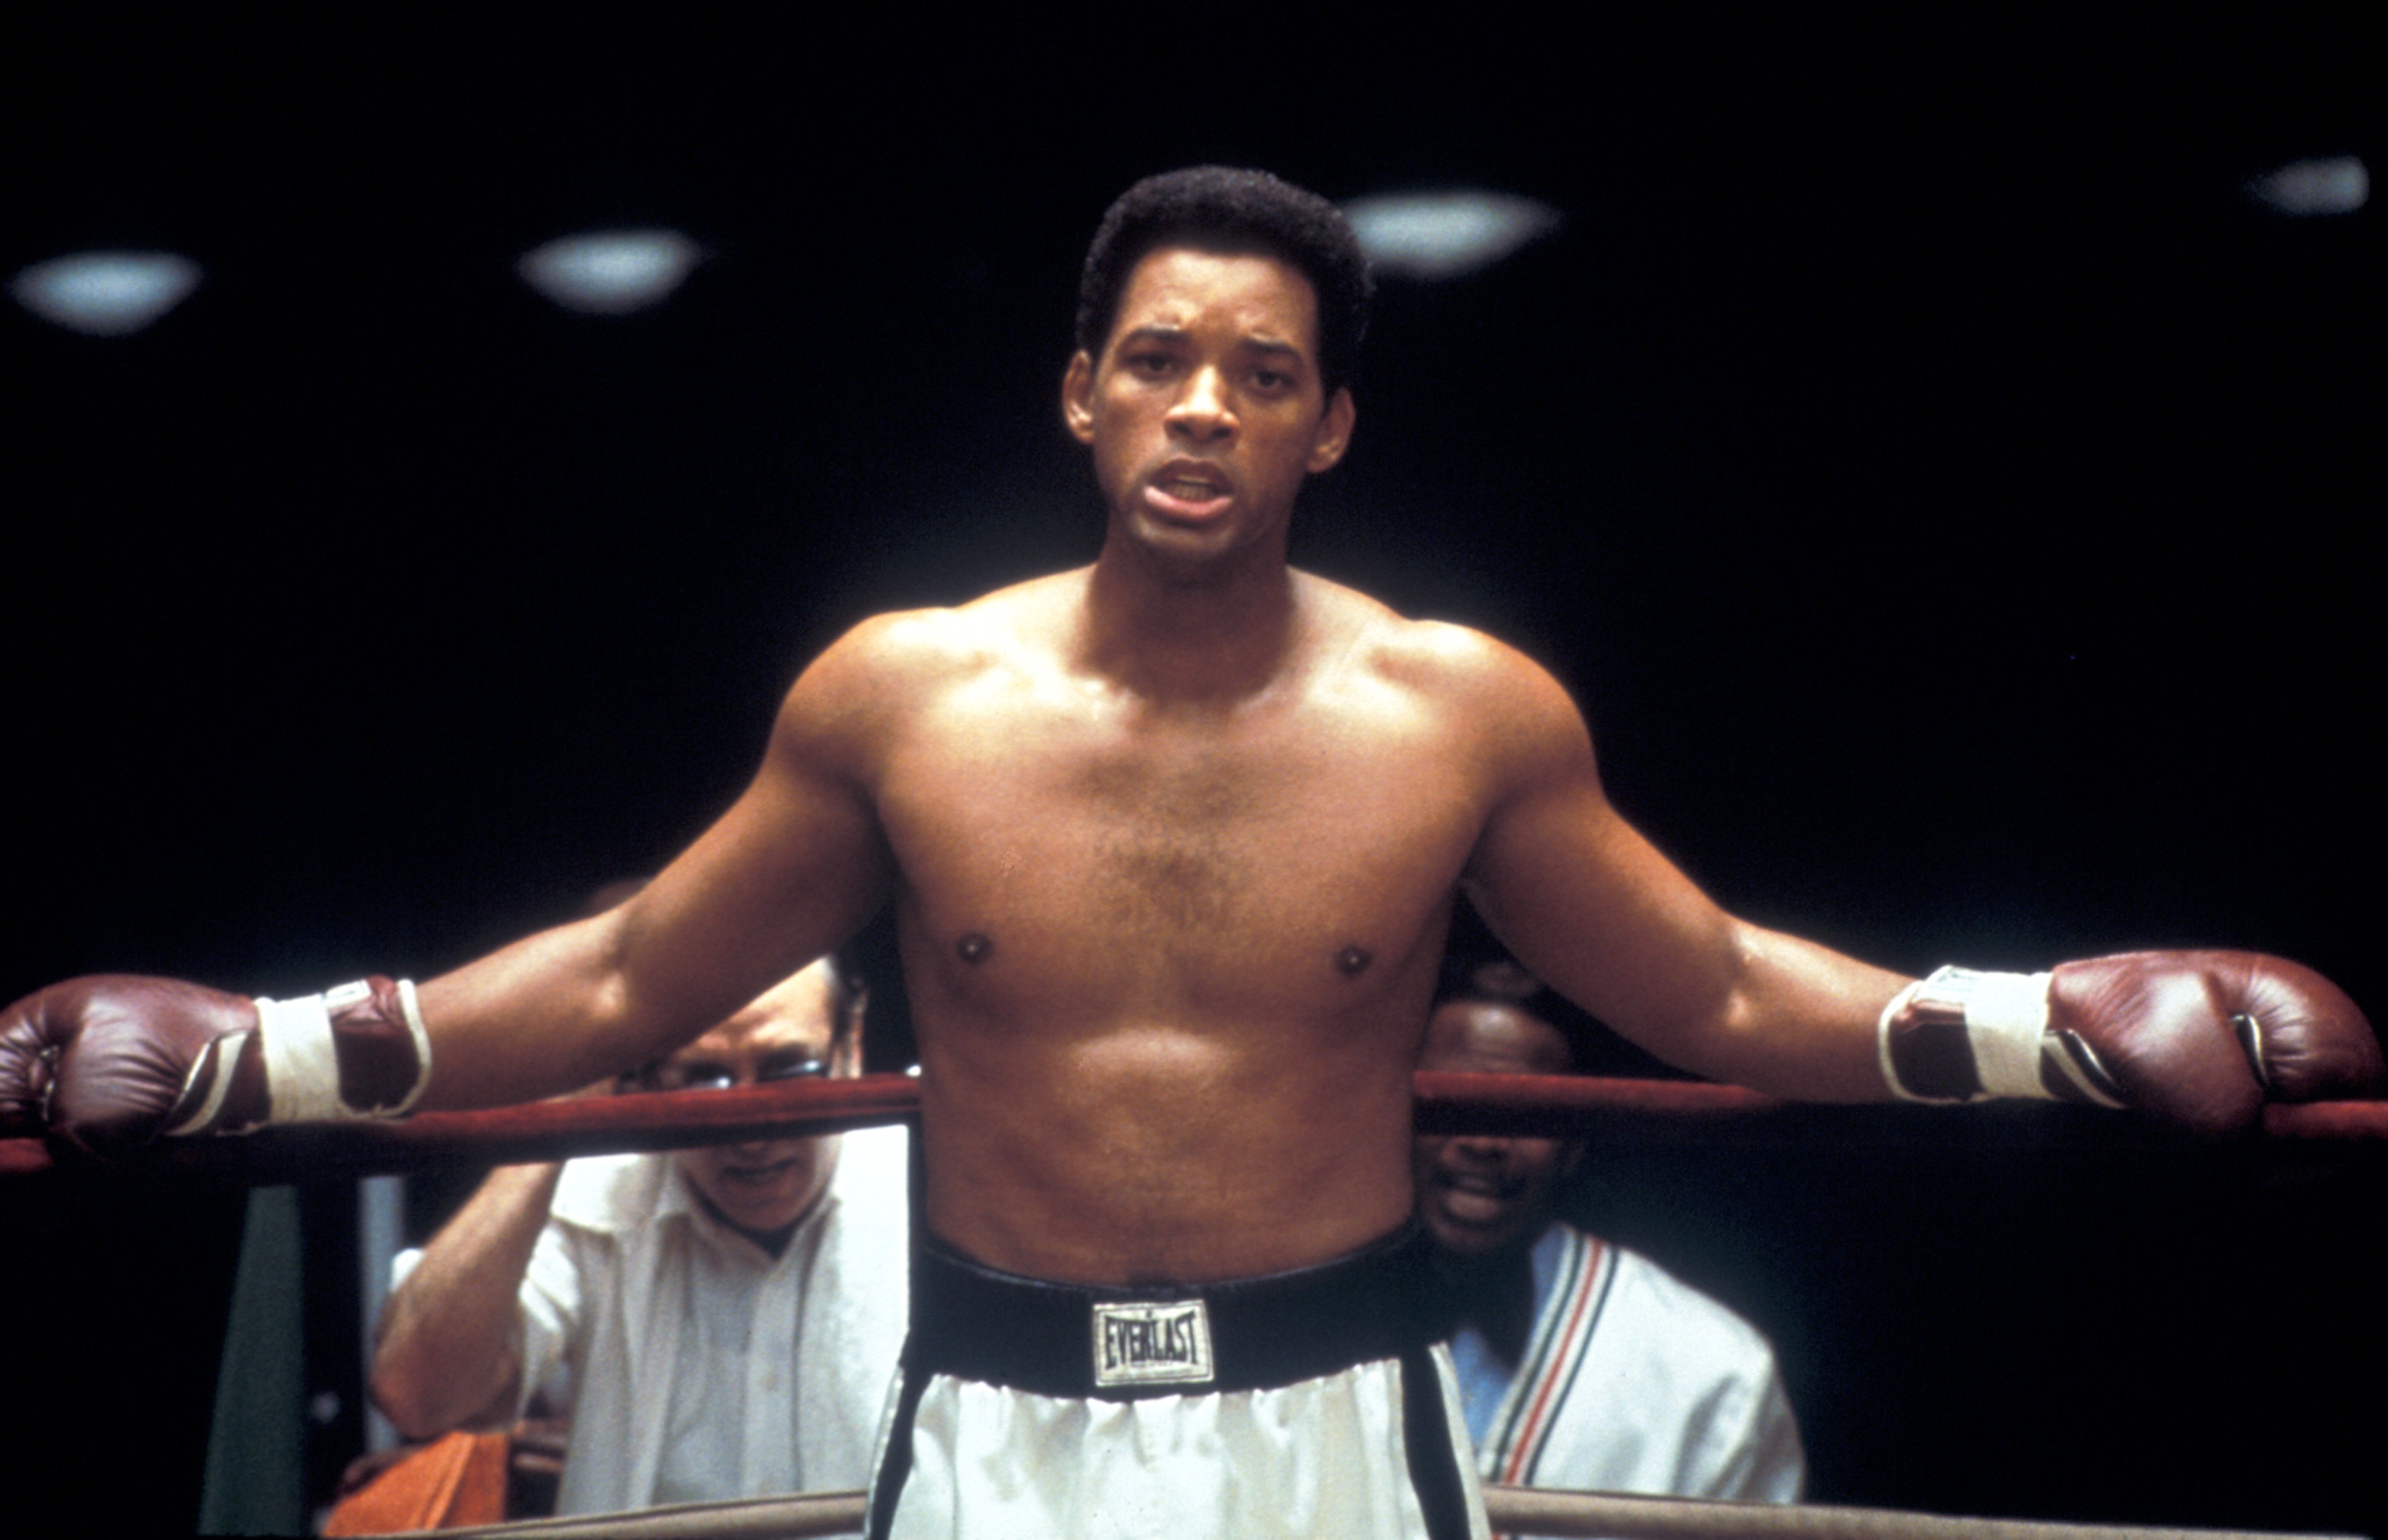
(412, 1011)
(302, 1068)
(2006, 1020)
(2006, 1026)
(302, 1072)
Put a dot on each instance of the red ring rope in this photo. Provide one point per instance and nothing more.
(1518, 1104)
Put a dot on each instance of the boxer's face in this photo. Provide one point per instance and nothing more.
(765, 1185)
(1477, 1195)
(1205, 411)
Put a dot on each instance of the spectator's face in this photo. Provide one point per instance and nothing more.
(1476, 1194)
(765, 1185)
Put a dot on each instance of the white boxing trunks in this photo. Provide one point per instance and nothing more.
(1307, 1404)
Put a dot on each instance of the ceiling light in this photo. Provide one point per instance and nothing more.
(2334, 185)
(610, 272)
(105, 293)
(1444, 235)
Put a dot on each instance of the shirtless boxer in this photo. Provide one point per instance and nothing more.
(1173, 841)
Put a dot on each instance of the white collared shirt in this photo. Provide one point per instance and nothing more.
(731, 1429)
(1633, 1382)
(697, 1366)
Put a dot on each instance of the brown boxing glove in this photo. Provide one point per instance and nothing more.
(2200, 1039)
(2205, 1038)
(111, 1062)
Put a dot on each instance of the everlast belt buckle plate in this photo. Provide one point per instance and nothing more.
(1167, 1342)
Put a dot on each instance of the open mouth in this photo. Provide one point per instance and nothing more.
(1188, 492)
(758, 1175)
(1472, 1199)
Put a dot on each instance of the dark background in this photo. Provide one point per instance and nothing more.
(1943, 490)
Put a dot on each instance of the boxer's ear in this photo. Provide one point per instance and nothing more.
(1334, 434)
(1079, 397)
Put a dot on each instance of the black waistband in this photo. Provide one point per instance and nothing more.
(1078, 1340)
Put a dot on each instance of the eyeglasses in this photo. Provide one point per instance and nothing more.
(703, 1075)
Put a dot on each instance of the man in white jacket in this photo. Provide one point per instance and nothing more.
(1581, 1365)
(719, 1322)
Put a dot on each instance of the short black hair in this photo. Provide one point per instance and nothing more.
(1236, 211)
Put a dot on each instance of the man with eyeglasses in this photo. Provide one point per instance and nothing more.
(719, 1322)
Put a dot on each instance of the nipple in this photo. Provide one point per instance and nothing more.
(1352, 961)
(974, 947)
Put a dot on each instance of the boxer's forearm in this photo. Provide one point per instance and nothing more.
(448, 1349)
(534, 1020)
(1797, 1019)
(559, 1009)
(1613, 925)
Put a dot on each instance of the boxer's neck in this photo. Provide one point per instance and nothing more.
(1229, 635)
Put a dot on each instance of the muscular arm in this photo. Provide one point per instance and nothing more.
(794, 867)
(448, 1353)
(1587, 904)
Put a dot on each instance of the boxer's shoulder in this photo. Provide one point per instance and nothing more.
(1447, 661)
(1023, 628)
(892, 668)
(1507, 708)
(915, 647)
(1435, 660)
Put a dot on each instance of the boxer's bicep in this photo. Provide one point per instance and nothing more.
(798, 858)
(1593, 908)
(789, 872)
(793, 868)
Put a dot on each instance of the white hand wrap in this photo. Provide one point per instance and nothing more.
(2005, 1017)
(302, 1069)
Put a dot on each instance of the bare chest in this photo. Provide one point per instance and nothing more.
(1157, 865)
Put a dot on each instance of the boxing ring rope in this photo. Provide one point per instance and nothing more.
(1447, 1102)
(1515, 1510)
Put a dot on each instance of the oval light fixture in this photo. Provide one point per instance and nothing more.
(610, 272)
(105, 293)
